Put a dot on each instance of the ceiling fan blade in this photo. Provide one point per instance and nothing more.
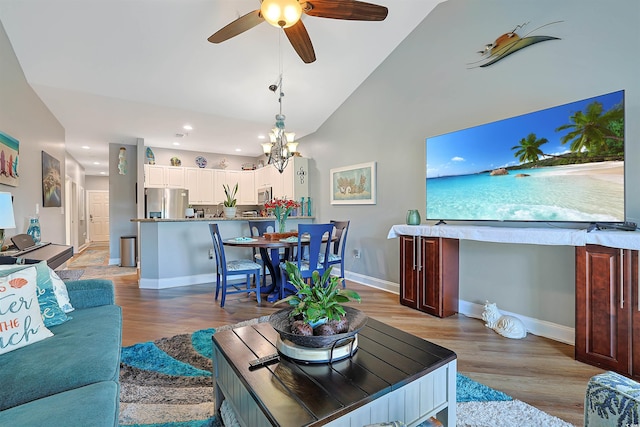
(345, 9)
(240, 25)
(299, 38)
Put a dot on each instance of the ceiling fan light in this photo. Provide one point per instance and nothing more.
(281, 13)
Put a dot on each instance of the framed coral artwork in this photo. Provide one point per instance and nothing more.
(9, 149)
(354, 185)
(51, 181)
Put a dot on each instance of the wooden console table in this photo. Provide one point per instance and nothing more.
(607, 282)
(393, 376)
(54, 254)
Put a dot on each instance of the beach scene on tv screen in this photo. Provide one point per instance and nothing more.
(564, 163)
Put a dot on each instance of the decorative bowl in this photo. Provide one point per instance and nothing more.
(281, 322)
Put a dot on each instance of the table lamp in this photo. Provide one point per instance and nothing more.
(6, 215)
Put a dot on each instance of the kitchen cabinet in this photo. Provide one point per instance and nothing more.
(293, 182)
(219, 178)
(429, 278)
(157, 176)
(247, 194)
(608, 309)
(200, 183)
(264, 176)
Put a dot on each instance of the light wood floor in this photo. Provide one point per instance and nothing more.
(536, 370)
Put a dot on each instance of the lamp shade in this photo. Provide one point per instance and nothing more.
(6, 211)
(281, 13)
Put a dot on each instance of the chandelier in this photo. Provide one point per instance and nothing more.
(281, 143)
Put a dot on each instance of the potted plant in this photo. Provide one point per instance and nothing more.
(316, 307)
(229, 207)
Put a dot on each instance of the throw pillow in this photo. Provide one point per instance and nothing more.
(20, 320)
(48, 279)
(60, 289)
(50, 308)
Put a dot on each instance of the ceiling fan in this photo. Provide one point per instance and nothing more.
(286, 14)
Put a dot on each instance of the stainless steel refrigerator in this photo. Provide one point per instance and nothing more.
(166, 202)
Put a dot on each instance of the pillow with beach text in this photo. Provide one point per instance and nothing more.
(21, 323)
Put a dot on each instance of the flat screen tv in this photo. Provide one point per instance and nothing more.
(561, 164)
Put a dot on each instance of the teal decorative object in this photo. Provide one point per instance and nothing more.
(34, 229)
(413, 217)
(309, 206)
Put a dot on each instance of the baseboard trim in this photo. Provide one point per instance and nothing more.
(543, 328)
(174, 282)
(538, 327)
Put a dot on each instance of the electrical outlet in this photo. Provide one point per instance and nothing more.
(356, 253)
(210, 253)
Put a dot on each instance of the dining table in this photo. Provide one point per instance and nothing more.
(271, 256)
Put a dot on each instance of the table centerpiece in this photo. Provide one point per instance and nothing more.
(281, 209)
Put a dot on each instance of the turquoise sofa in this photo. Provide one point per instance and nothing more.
(71, 378)
(612, 400)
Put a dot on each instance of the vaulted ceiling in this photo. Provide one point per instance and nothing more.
(112, 71)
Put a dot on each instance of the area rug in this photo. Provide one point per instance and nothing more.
(68, 275)
(89, 257)
(168, 383)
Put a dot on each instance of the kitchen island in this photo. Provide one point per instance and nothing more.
(179, 252)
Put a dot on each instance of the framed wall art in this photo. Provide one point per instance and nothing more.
(354, 185)
(51, 182)
(9, 149)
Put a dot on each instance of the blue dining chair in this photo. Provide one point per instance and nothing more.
(258, 228)
(336, 256)
(225, 268)
(314, 238)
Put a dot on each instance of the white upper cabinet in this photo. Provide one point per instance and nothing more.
(157, 176)
(200, 183)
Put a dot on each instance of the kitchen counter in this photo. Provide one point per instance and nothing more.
(216, 219)
(179, 252)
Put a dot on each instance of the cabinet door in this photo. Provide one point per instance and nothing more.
(154, 176)
(438, 276)
(174, 177)
(220, 178)
(635, 316)
(247, 194)
(263, 177)
(603, 305)
(206, 182)
(429, 276)
(191, 184)
(409, 271)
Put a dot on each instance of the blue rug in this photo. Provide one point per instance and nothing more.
(170, 379)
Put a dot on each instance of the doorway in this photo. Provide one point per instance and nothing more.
(98, 215)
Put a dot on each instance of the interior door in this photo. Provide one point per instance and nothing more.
(98, 216)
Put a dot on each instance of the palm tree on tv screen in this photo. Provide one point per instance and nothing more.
(529, 149)
(593, 129)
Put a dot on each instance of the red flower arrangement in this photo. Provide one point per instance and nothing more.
(281, 209)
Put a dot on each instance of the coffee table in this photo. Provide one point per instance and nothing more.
(393, 376)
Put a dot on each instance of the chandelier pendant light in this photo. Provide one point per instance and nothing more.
(281, 143)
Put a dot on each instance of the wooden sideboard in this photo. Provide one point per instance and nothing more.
(608, 309)
(607, 282)
(429, 274)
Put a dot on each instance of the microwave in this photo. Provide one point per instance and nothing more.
(264, 195)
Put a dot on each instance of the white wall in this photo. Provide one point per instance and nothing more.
(96, 183)
(426, 88)
(26, 118)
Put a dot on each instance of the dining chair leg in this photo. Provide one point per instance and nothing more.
(257, 276)
(217, 286)
(224, 291)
